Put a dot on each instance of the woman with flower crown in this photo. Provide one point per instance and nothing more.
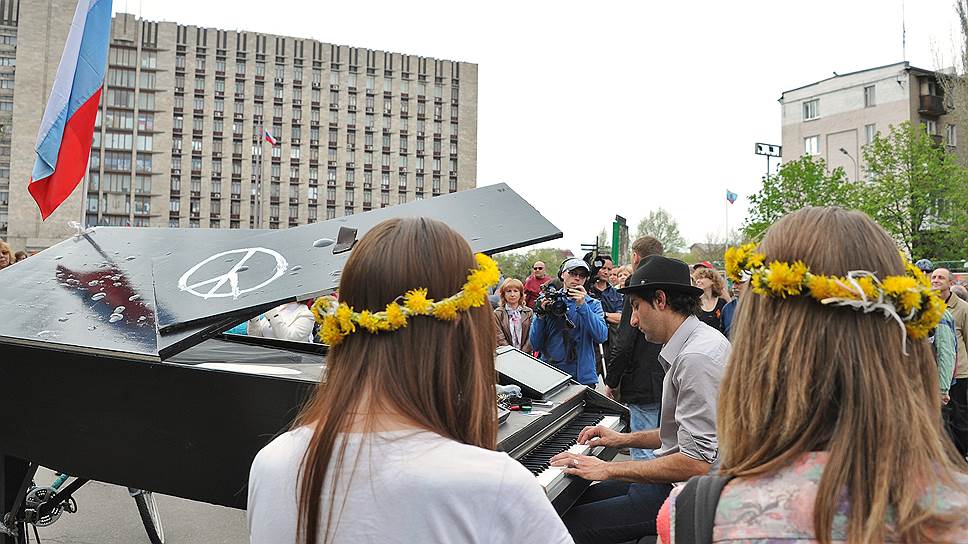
(397, 443)
(828, 411)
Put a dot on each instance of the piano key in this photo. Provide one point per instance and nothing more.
(552, 474)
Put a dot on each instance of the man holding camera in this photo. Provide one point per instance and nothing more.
(569, 324)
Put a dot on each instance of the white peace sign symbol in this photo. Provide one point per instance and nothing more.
(232, 276)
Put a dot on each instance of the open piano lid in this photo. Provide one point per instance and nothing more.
(204, 283)
(116, 290)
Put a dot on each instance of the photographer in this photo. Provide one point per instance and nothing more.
(600, 289)
(569, 324)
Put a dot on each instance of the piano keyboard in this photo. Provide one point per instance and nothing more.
(538, 460)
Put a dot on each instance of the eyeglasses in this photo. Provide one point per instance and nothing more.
(538, 268)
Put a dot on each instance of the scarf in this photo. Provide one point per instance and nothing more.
(514, 320)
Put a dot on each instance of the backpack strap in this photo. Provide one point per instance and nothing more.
(696, 508)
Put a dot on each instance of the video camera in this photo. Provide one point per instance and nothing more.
(557, 302)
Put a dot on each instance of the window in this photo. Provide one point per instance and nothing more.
(952, 135)
(930, 126)
(811, 109)
(869, 132)
(869, 96)
(811, 145)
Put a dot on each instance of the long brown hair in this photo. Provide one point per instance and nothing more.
(439, 375)
(837, 380)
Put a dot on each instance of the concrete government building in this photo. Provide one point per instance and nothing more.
(178, 137)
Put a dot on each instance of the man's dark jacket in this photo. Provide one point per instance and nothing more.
(634, 363)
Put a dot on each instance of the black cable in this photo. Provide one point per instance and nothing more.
(36, 534)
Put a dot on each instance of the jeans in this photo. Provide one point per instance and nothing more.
(644, 417)
(959, 414)
(614, 511)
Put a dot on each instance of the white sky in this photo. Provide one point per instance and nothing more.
(621, 108)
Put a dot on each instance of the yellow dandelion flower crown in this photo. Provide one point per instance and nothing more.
(908, 299)
(337, 321)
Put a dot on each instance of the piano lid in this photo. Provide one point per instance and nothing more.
(94, 291)
(114, 290)
(200, 283)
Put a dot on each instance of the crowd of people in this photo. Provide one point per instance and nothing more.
(819, 388)
(8, 257)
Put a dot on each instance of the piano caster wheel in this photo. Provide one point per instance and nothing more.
(38, 496)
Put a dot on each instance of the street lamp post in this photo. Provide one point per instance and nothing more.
(853, 160)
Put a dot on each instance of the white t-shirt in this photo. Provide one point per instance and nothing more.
(408, 487)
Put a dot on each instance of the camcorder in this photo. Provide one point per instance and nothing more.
(557, 303)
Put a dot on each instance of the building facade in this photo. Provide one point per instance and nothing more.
(836, 117)
(179, 136)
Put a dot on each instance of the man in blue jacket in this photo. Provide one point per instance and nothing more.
(571, 349)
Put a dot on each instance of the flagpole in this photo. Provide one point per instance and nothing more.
(258, 186)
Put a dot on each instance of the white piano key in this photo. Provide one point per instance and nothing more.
(552, 474)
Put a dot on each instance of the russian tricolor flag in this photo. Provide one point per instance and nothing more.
(64, 140)
(269, 137)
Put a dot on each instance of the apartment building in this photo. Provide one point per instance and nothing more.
(179, 136)
(836, 117)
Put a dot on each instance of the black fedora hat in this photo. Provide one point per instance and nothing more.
(658, 272)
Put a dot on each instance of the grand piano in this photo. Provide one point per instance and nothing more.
(114, 366)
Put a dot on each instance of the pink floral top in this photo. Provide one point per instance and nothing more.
(778, 508)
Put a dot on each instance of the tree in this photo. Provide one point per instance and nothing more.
(798, 184)
(518, 265)
(917, 192)
(664, 228)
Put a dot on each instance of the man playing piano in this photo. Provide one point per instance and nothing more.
(624, 506)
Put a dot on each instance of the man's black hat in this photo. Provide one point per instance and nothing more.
(658, 272)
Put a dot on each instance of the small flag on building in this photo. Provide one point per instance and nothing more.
(731, 196)
(63, 145)
(269, 137)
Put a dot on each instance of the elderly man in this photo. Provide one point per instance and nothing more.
(941, 280)
(533, 283)
(624, 506)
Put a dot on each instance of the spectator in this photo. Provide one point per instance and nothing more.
(634, 372)
(21, 256)
(602, 291)
(533, 283)
(291, 321)
(623, 507)
(513, 317)
(626, 270)
(941, 280)
(613, 277)
(961, 291)
(6, 257)
(712, 301)
(944, 340)
(827, 414)
(397, 443)
(568, 342)
(729, 311)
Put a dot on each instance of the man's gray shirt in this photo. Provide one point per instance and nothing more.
(694, 360)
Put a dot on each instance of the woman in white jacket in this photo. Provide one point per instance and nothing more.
(291, 321)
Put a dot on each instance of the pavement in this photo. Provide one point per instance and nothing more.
(107, 514)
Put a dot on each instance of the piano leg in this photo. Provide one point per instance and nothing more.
(13, 471)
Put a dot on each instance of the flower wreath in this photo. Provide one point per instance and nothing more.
(340, 320)
(908, 299)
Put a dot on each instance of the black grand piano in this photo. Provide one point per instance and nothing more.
(113, 365)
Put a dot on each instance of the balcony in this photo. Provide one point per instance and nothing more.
(931, 105)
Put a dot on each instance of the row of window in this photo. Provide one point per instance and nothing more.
(351, 79)
(811, 144)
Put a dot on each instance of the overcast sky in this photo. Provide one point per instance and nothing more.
(591, 112)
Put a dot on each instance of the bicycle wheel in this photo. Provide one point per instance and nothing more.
(148, 508)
